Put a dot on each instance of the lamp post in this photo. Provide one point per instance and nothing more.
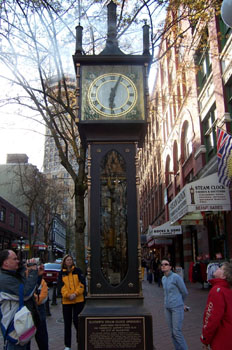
(21, 247)
(226, 12)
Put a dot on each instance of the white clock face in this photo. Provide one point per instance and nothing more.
(112, 95)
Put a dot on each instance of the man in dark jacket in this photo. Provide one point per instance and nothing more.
(11, 276)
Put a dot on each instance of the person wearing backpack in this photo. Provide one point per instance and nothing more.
(12, 276)
(71, 283)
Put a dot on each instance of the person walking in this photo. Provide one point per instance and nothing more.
(71, 282)
(175, 293)
(41, 296)
(11, 277)
(217, 319)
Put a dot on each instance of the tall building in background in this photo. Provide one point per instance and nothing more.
(53, 169)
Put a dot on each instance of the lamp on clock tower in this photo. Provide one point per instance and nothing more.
(112, 97)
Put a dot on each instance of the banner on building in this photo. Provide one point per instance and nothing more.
(224, 156)
(206, 194)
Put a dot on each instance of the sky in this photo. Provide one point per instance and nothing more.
(18, 135)
(22, 135)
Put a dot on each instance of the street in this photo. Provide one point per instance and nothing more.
(153, 299)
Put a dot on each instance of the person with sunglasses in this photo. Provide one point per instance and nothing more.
(175, 293)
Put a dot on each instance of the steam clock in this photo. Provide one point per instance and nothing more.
(112, 101)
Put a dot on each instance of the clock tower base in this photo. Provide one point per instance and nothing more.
(115, 323)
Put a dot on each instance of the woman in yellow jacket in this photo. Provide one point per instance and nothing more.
(72, 285)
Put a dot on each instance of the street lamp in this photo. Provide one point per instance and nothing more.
(21, 247)
(226, 12)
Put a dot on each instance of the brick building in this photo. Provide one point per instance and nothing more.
(13, 224)
(178, 164)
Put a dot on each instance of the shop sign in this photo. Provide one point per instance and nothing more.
(206, 194)
(166, 230)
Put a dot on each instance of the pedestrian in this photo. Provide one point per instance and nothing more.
(143, 266)
(217, 320)
(71, 282)
(11, 277)
(175, 293)
(41, 296)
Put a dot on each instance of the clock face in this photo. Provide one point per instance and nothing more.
(113, 92)
(112, 95)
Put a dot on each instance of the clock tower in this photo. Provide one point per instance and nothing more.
(112, 100)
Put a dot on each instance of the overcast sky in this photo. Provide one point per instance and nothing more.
(18, 135)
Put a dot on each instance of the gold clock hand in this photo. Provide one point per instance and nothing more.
(113, 93)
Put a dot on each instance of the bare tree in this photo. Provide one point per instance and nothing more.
(37, 41)
(40, 197)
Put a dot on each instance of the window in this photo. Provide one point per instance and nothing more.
(187, 142)
(12, 219)
(209, 125)
(168, 171)
(2, 214)
(25, 228)
(203, 63)
(113, 222)
(21, 224)
(175, 158)
(225, 32)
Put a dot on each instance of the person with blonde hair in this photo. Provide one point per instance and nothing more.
(71, 283)
(217, 319)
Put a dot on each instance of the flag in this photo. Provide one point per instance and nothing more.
(224, 156)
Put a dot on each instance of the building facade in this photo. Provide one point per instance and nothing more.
(13, 224)
(191, 98)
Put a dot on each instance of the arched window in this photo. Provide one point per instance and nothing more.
(113, 225)
(187, 141)
(175, 158)
(168, 171)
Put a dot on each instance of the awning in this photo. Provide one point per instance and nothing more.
(162, 231)
(166, 230)
(38, 245)
(159, 241)
(197, 197)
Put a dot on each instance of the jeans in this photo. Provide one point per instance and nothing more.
(11, 346)
(175, 317)
(41, 335)
(71, 312)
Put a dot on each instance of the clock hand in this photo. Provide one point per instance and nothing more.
(113, 93)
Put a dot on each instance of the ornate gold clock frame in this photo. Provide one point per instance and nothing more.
(112, 99)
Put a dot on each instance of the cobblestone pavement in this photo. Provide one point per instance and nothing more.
(153, 300)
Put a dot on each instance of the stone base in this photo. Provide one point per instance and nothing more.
(112, 324)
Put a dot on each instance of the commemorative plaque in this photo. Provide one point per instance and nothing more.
(114, 333)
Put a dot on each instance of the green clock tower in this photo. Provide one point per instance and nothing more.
(112, 101)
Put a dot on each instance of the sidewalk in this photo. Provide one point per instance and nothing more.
(153, 300)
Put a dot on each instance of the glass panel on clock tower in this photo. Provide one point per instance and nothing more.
(113, 224)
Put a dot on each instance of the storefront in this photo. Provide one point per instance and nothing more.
(201, 208)
(161, 240)
(39, 248)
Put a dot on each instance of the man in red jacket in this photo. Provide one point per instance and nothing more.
(217, 321)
